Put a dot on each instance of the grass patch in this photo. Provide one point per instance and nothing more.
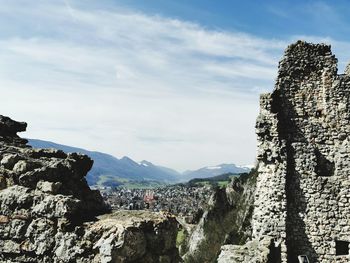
(180, 238)
(110, 180)
(182, 241)
(222, 184)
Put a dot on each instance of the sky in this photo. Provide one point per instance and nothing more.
(176, 83)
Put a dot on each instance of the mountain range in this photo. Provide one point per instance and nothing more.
(111, 171)
(211, 171)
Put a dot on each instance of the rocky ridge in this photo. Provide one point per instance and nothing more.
(48, 213)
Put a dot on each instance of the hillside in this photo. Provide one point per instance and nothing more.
(211, 171)
(108, 170)
(219, 180)
(111, 171)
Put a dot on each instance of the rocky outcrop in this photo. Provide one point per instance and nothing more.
(48, 213)
(227, 221)
(9, 129)
(302, 196)
(253, 251)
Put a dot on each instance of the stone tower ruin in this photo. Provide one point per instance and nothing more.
(301, 207)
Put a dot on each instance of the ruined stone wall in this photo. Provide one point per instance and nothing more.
(315, 120)
(310, 104)
(269, 217)
(302, 196)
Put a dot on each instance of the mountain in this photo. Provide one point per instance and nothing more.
(218, 180)
(211, 171)
(111, 171)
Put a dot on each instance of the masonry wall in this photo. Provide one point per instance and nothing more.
(302, 197)
(270, 203)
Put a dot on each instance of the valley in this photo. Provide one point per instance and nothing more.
(108, 171)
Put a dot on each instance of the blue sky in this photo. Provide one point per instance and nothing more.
(173, 82)
(275, 19)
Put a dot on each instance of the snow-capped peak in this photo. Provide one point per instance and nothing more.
(247, 166)
(214, 167)
(145, 163)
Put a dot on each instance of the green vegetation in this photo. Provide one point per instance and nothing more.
(222, 184)
(180, 237)
(110, 180)
(219, 180)
(182, 241)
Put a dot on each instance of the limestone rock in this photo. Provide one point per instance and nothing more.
(48, 213)
(226, 221)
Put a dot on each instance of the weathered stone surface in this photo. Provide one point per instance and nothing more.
(131, 236)
(48, 213)
(9, 129)
(302, 196)
(257, 251)
(226, 221)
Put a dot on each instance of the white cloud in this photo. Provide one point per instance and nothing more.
(128, 83)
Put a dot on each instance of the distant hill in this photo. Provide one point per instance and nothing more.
(219, 180)
(211, 171)
(111, 171)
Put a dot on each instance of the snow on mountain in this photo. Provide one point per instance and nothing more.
(211, 171)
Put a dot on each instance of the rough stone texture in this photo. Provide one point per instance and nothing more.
(227, 221)
(257, 251)
(48, 213)
(302, 197)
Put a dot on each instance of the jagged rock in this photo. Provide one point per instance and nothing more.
(302, 192)
(48, 187)
(226, 221)
(347, 69)
(9, 129)
(257, 251)
(48, 213)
